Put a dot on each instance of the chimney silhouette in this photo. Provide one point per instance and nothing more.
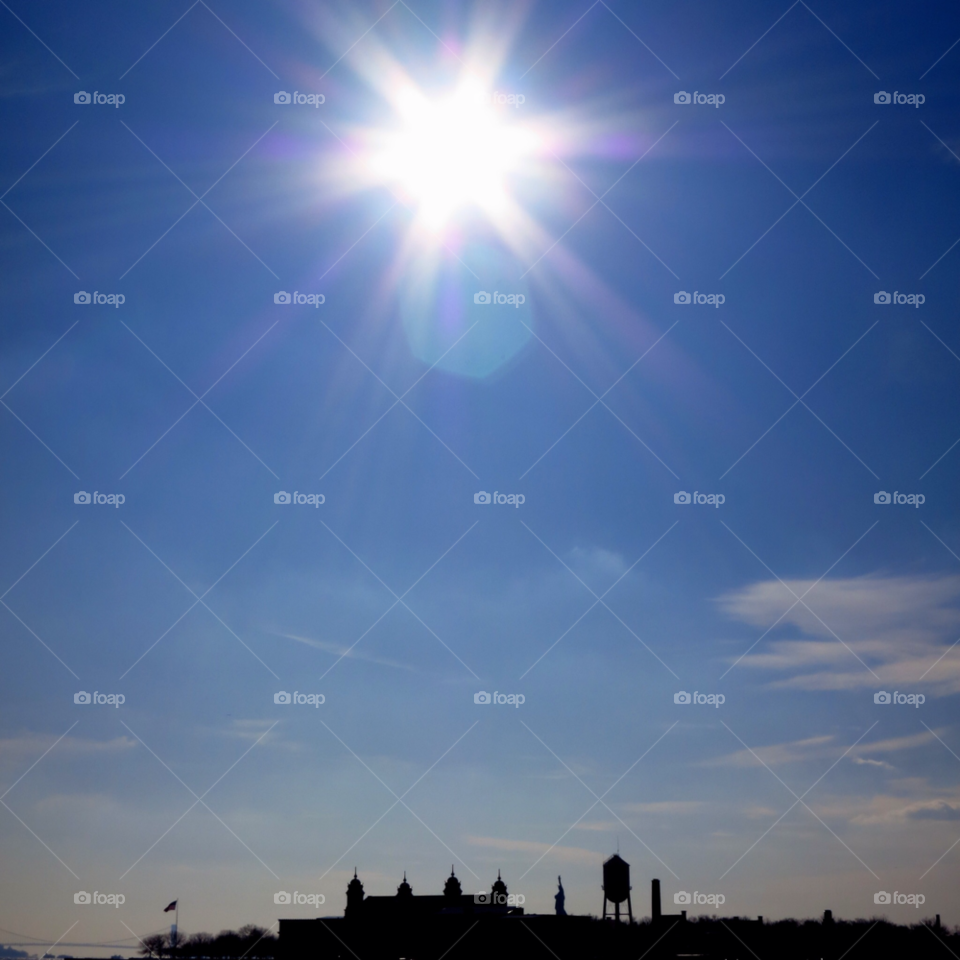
(655, 899)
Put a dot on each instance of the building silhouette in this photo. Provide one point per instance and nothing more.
(459, 926)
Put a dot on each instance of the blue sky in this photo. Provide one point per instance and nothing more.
(600, 398)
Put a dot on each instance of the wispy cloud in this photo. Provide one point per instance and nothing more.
(902, 627)
(814, 748)
(665, 807)
(340, 651)
(534, 848)
(35, 743)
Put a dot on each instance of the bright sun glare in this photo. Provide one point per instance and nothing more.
(452, 153)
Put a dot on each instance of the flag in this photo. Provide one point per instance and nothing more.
(173, 906)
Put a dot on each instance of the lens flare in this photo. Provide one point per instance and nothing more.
(452, 153)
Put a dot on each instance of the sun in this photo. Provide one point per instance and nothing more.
(452, 153)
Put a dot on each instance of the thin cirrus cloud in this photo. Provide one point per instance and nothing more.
(346, 652)
(532, 847)
(903, 628)
(814, 748)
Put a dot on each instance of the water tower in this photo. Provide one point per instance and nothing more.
(616, 886)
